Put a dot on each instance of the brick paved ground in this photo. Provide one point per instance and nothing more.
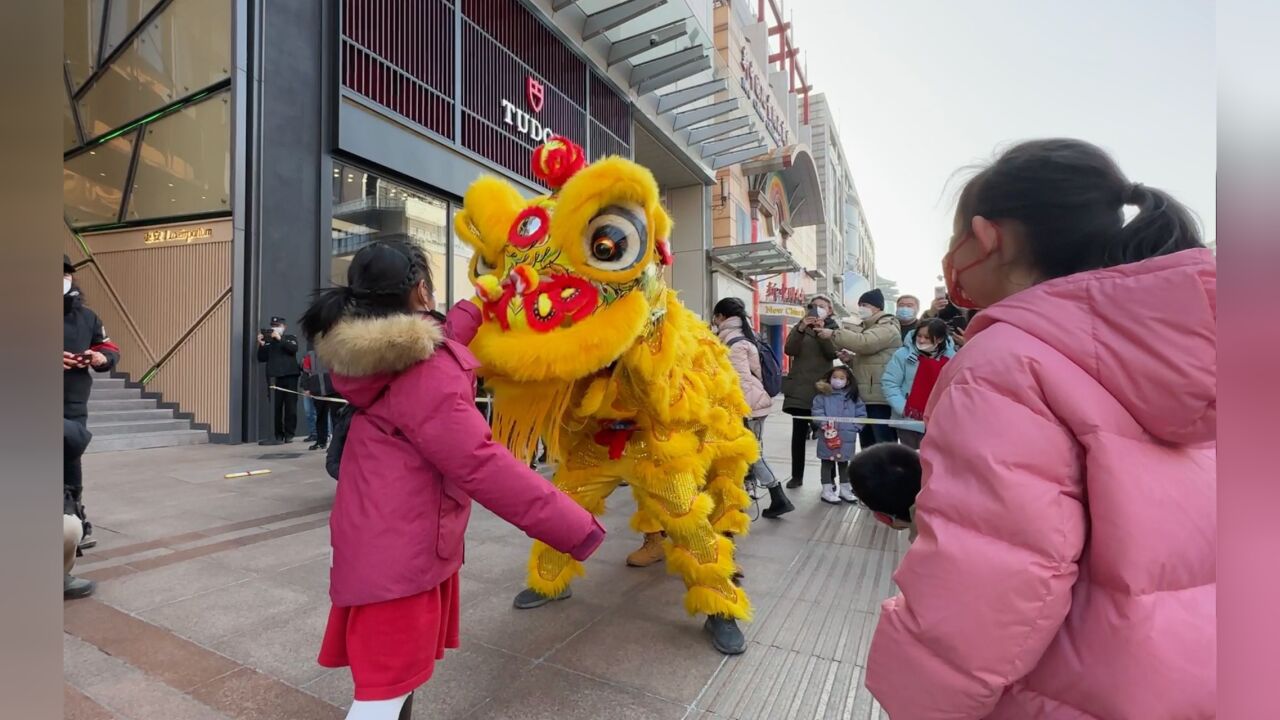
(213, 596)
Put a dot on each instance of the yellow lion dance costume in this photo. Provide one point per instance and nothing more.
(586, 348)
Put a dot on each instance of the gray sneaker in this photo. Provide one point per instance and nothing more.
(725, 635)
(530, 598)
(74, 588)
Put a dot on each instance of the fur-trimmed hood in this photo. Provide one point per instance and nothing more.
(375, 350)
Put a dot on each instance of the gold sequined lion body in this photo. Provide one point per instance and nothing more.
(586, 349)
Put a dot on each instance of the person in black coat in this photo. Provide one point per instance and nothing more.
(75, 438)
(279, 351)
(319, 385)
(85, 345)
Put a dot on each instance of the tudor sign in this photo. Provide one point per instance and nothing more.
(523, 122)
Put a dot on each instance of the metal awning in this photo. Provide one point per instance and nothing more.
(756, 259)
(658, 50)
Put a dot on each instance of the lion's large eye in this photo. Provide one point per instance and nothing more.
(616, 238)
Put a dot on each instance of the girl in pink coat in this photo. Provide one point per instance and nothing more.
(1065, 564)
(417, 452)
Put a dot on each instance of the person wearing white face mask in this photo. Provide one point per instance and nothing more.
(867, 347)
(85, 345)
(812, 354)
(913, 371)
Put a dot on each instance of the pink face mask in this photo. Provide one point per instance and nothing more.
(951, 274)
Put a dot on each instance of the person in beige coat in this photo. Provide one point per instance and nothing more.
(867, 348)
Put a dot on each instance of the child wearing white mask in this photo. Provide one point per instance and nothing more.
(837, 400)
(913, 371)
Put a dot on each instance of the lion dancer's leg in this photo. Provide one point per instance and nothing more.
(670, 492)
(550, 571)
(643, 521)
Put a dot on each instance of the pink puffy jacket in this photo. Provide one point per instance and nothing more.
(417, 452)
(1065, 565)
(745, 358)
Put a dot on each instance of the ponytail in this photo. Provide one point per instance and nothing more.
(327, 307)
(1069, 197)
(379, 282)
(1162, 226)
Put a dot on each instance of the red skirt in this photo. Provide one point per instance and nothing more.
(392, 647)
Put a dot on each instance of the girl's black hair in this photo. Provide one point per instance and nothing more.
(379, 280)
(1069, 195)
(734, 307)
(939, 330)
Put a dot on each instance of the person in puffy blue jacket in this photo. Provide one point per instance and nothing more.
(837, 441)
(929, 344)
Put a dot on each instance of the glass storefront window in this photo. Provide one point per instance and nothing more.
(81, 28)
(184, 165)
(184, 49)
(367, 207)
(125, 16)
(460, 285)
(93, 182)
(69, 137)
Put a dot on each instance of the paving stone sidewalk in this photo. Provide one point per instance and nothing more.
(213, 596)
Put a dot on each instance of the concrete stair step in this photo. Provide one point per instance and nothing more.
(120, 393)
(108, 383)
(136, 426)
(128, 415)
(141, 441)
(101, 406)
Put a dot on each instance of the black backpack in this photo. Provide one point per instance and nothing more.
(770, 368)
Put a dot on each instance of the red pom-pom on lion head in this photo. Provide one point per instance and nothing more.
(558, 160)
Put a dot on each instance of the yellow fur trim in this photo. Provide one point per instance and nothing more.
(550, 588)
(733, 522)
(564, 354)
(643, 521)
(489, 207)
(368, 346)
(681, 561)
(706, 601)
(688, 525)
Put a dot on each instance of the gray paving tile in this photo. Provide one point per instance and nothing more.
(285, 649)
(143, 591)
(214, 615)
(673, 660)
(547, 692)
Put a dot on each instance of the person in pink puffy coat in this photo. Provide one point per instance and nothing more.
(1065, 563)
(417, 452)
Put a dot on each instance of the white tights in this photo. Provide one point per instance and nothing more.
(377, 709)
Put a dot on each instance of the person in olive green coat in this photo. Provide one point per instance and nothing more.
(811, 359)
(867, 348)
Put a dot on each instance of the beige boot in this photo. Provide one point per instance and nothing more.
(649, 553)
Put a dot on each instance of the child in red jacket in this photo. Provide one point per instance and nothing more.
(417, 452)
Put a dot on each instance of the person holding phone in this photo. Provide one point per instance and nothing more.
(279, 351)
(85, 345)
(811, 359)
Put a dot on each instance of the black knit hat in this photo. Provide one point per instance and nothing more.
(67, 267)
(875, 298)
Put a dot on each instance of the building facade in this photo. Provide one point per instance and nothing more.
(769, 203)
(223, 160)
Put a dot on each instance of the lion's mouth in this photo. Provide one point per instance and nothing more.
(548, 303)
